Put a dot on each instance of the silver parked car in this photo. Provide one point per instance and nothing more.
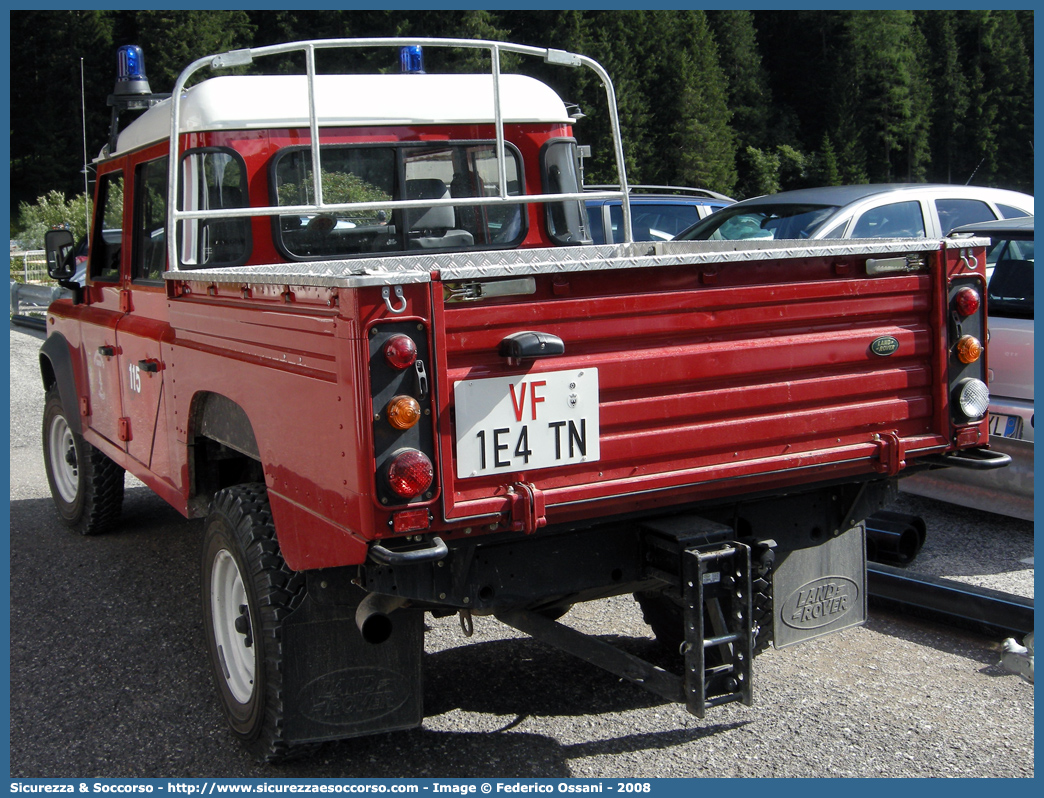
(1009, 305)
(891, 210)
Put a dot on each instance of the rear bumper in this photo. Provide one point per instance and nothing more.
(1006, 491)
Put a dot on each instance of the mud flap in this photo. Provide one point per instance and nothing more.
(821, 589)
(336, 684)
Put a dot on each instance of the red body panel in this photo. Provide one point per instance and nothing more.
(713, 389)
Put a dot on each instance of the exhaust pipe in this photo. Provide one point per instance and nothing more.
(894, 538)
(371, 616)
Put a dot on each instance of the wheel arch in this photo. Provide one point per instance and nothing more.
(223, 449)
(56, 368)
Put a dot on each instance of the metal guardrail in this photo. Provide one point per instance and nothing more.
(947, 601)
(28, 298)
(32, 265)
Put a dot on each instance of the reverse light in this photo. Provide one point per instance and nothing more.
(968, 349)
(967, 301)
(400, 351)
(410, 473)
(972, 398)
(403, 412)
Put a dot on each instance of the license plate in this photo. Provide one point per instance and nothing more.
(523, 423)
(1005, 426)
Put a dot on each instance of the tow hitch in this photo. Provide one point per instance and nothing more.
(713, 581)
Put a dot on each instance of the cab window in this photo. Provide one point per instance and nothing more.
(383, 173)
(566, 221)
(213, 179)
(108, 229)
(150, 224)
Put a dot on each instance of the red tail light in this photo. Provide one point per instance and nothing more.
(400, 351)
(410, 473)
(967, 301)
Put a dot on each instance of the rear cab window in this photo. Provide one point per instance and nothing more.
(213, 178)
(566, 220)
(387, 172)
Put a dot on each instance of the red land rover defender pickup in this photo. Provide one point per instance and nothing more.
(356, 321)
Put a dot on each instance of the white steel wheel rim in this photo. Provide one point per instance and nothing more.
(228, 595)
(64, 464)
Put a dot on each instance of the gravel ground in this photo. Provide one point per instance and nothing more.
(109, 677)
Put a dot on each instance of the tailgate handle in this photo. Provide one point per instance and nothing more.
(530, 344)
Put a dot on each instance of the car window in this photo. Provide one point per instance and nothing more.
(838, 231)
(1008, 212)
(1010, 291)
(956, 212)
(895, 220)
(761, 222)
(659, 222)
(594, 223)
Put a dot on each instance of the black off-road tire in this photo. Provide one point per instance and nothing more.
(248, 591)
(87, 486)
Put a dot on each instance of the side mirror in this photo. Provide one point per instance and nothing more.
(59, 245)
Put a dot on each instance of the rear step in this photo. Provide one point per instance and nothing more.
(713, 579)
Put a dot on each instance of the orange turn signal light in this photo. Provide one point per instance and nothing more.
(403, 412)
(968, 349)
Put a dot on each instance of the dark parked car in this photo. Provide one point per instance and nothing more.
(658, 213)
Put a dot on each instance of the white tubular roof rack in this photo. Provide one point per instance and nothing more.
(235, 58)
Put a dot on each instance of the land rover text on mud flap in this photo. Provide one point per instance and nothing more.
(356, 322)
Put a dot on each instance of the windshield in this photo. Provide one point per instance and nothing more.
(769, 221)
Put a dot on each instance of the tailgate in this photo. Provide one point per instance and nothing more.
(683, 381)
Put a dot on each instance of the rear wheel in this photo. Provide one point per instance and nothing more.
(248, 591)
(87, 486)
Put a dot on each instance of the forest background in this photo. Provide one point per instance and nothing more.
(740, 102)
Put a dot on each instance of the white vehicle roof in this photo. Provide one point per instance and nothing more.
(253, 102)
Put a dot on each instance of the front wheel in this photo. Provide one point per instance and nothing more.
(87, 486)
(248, 591)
